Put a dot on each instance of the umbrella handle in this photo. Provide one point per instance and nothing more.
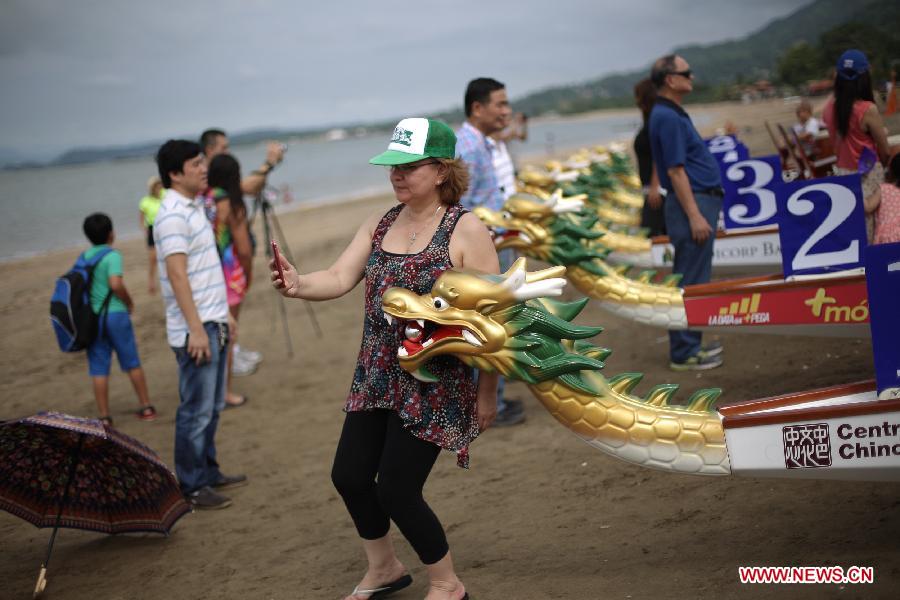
(41, 583)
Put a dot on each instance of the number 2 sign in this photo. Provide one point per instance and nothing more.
(821, 225)
(750, 192)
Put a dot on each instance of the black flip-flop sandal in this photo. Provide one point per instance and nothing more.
(385, 590)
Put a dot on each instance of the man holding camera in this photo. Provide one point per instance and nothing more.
(215, 142)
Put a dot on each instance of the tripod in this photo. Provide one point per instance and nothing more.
(269, 221)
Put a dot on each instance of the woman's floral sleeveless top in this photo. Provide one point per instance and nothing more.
(442, 412)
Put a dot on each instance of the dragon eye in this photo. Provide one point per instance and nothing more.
(506, 215)
(440, 303)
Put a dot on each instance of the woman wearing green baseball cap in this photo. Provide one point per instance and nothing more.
(395, 425)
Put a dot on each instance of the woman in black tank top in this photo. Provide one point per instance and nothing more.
(395, 425)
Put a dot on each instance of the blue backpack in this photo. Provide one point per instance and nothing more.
(73, 320)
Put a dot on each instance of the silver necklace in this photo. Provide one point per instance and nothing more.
(414, 234)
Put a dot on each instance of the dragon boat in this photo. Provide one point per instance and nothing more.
(508, 324)
(745, 250)
(557, 233)
(604, 180)
(750, 250)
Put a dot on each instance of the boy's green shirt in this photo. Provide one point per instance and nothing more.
(109, 265)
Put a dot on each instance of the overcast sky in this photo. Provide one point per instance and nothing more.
(102, 72)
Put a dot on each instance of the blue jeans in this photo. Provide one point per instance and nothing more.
(693, 261)
(201, 389)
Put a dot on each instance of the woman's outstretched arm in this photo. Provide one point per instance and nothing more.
(336, 280)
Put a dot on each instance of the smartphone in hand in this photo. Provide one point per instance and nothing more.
(277, 256)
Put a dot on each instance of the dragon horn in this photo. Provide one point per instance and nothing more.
(565, 205)
(525, 286)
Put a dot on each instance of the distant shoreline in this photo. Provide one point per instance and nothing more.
(708, 117)
(146, 149)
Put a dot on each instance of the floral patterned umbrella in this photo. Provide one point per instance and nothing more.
(57, 470)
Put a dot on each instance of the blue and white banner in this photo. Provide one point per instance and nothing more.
(883, 283)
(751, 188)
(821, 225)
(726, 149)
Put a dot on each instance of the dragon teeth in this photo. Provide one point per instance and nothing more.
(421, 323)
(401, 351)
(525, 238)
(427, 343)
(470, 337)
(389, 319)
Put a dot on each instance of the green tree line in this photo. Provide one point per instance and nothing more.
(881, 43)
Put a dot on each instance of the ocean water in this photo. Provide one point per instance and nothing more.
(43, 208)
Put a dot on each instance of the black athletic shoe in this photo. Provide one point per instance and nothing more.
(711, 349)
(698, 362)
(507, 417)
(207, 499)
(230, 481)
(514, 406)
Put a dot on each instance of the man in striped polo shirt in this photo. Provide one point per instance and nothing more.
(197, 323)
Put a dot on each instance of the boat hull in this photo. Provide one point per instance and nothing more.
(740, 250)
(842, 433)
(822, 307)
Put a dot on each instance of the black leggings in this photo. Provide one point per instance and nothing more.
(374, 443)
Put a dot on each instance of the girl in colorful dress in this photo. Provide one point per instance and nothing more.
(228, 214)
(887, 219)
(395, 425)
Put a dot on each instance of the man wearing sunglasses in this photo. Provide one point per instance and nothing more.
(688, 172)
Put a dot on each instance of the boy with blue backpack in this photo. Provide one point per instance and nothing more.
(111, 302)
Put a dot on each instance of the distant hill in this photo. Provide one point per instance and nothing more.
(750, 58)
(93, 154)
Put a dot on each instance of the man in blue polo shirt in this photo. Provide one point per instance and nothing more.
(690, 174)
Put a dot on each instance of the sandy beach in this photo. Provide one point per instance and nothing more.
(540, 515)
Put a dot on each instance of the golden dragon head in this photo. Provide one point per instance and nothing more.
(556, 230)
(506, 323)
(499, 323)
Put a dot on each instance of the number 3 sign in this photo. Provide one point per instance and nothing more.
(750, 188)
(821, 225)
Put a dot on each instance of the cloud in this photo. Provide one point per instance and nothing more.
(111, 72)
(109, 80)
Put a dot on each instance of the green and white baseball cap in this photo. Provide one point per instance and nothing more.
(418, 138)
